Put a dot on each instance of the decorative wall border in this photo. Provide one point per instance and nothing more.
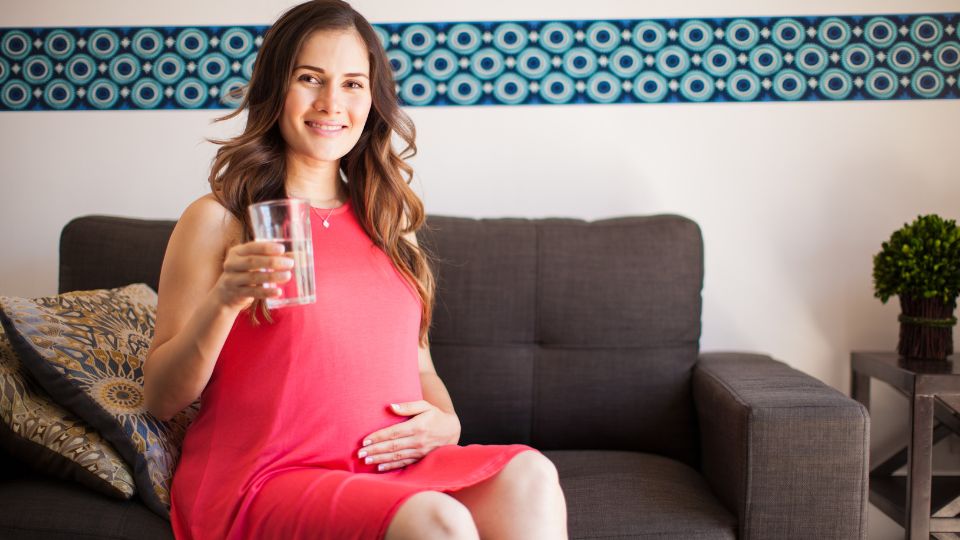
(810, 58)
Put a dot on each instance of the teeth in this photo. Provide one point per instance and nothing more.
(323, 127)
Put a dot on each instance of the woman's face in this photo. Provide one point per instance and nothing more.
(329, 97)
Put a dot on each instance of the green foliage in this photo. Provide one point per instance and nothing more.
(921, 260)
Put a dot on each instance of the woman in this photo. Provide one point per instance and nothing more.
(326, 420)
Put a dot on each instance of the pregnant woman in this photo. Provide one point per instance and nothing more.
(324, 420)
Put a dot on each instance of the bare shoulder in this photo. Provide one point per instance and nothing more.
(209, 219)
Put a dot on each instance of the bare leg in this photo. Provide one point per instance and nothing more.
(431, 515)
(523, 501)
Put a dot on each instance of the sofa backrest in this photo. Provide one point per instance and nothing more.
(558, 333)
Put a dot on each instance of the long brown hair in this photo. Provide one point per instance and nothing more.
(251, 167)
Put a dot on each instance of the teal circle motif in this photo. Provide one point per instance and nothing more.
(147, 43)
(556, 37)
(236, 42)
(16, 45)
(464, 89)
(649, 36)
(400, 63)
(59, 94)
(625, 62)
(926, 31)
(743, 85)
(927, 82)
(102, 94)
(788, 34)
(812, 59)
(191, 93)
(697, 86)
(37, 69)
(15, 95)
(511, 89)
(742, 34)
(947, 56)
(604, 88)
(383, 35)
(59, 44)
(232, 91)
(191, 43)
(146, 94)
(672, 61)
(248, 64)
(580, 62)
(487, 63)
(169, 68)
(510, 38)
(857, 58)
(834, 33)
(880, 32)
(4, 70)
(719, 61)
(789, 85)
(213, 68)
(650, 87)
(418, 90)
(835, 84)
(103, 44)
(881, 83)
(696, 35)
(440, 64)
(766, 60)
(124, 69)
(533, 63)
(418, 39)
(603, 36)
(557, 88)
(80, 69)
(464, 39)
(903, 57)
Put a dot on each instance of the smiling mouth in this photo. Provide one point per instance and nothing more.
(325, 127)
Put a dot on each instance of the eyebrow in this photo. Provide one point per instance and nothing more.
(320, 70)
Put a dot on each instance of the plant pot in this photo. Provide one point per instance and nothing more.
(926, 328)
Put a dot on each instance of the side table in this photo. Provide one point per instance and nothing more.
(933, 390)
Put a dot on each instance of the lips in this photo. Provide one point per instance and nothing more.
(325, 127)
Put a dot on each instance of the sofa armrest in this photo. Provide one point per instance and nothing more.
(787, 454)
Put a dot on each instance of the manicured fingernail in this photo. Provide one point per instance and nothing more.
(368, 461)
(381, 467)
(362, 453)
(395, 406)
(366, 442)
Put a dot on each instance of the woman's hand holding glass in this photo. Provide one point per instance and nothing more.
(250, 271)
(406, 443)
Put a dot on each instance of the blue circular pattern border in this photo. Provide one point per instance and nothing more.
(808, 58)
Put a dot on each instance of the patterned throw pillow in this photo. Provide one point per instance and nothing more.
(38, 431)
(87, 349)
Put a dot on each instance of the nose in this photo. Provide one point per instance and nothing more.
(328, 99)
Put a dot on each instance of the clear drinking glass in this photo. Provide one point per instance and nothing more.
(287, 221)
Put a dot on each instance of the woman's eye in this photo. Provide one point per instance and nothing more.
(308, 78)
(354, 84)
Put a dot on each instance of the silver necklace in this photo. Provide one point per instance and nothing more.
(326, 224)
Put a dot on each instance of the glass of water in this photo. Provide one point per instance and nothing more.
(287, 222)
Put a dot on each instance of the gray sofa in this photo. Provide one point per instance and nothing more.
(580, 339)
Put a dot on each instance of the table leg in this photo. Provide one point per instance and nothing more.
(860, 388)
(919, 467)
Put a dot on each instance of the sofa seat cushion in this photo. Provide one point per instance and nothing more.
(39, 508)
(615, 494)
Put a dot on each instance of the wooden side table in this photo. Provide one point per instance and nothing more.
(933, 390)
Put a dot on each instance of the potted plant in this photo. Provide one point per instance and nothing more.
(920, 263)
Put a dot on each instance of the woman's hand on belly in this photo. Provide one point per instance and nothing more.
(406, 443)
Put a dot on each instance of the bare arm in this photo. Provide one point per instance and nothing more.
(205, 281)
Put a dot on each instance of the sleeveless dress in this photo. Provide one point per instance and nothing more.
(273, 450)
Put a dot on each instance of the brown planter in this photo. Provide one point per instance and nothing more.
(926, 328)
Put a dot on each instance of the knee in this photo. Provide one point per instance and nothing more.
(433, 515)
(534, 470)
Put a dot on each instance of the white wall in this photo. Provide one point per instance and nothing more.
(793, 198)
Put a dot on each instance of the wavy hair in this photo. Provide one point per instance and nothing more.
(251, 167)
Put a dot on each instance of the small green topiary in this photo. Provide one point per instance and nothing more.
(921, 260)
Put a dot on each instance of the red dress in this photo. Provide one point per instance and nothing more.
(273, 451)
